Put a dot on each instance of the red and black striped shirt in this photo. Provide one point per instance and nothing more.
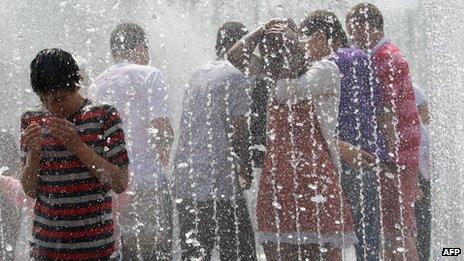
(72, 216)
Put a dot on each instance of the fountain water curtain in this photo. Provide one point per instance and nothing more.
(181, 35)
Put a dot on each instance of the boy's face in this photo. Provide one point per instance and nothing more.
(57, 102)
(358, 33)
(316, 46)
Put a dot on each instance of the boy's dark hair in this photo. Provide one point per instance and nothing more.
(125, 38)
(326, 22)
(53, 70)
(366, 13)
(227, 35)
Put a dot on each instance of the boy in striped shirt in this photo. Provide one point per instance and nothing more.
(73, 154)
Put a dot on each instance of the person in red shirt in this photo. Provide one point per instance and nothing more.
(399, 118)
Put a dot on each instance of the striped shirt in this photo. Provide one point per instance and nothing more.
(73, 212)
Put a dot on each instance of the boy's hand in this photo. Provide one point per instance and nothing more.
(66, 132)
(32, 138)
(246, 177)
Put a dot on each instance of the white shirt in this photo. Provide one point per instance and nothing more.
(139, 94)
(424, 147)
(216, 92)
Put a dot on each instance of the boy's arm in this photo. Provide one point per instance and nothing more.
(29, 174)
(111, 170)
(31, 148)
(241, 146)
(159, 115)
(241, 54)
(164, 136)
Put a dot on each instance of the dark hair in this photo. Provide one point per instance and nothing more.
(53, 70)
(227, 35)
(366, 13)
(126, 37)
(326, 22)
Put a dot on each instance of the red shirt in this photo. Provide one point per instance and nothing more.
(392, 70)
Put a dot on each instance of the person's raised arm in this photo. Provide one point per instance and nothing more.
(322, 78)
(241, 54)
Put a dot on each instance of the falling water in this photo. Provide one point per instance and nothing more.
(182, 36)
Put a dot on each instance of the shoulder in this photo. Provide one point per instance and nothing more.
(348, 57)
(326, 66)
(99, 108)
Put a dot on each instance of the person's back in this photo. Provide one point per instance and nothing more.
(139, 94)
(359, 98)
(392, 69)
(138, 91)
(216, 92)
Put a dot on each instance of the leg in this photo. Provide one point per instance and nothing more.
(233, 227)
(196, 230)
(131, 238)
(284, 252)
(351, 185)
(246, 236)
(371, 207)
(156, 234)
(129, 247)
(423, 218)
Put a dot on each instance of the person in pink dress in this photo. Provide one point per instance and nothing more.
(399, 118)
(302, 211)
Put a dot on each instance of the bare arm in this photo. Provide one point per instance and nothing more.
(424, 113)
(241, 146)
(354, 157)
(31, 140)
(241, 54)
(164, 136)
(29, 174)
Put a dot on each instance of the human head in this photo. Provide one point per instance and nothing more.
(322, 33)
(227, 35)
(129, 42)
(281, 54)
(55, 78)
(365, 25)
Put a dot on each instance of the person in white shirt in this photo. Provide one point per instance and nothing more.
(212, 155)
(139, 93)
(422, 207)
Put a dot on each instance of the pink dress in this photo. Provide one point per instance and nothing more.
(300, 198)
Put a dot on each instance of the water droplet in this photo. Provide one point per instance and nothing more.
(8, 248)
(312, 186)
(318, 199)
(276, 205)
